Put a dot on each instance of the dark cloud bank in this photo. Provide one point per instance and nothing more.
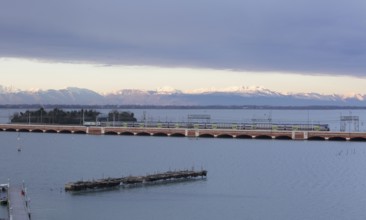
(262, 35)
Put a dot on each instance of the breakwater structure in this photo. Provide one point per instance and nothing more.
(233, 131)
(135, 180)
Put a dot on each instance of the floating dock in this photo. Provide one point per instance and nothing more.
(4, 194)
(17, 201)
(131, 180)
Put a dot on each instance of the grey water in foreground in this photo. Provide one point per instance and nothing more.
(247, 179)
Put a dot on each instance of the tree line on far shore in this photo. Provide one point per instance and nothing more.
(73, 117)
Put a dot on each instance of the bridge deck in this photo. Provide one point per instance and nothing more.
(191, 132)
(18, 204)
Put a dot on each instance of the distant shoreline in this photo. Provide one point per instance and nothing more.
(255, 107)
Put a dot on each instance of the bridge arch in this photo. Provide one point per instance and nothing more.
(244, 136)
(65, 132)
(224, 136)
(283, 137)
(358, 139)
(160, 134)
(38, 131)
(50, 131)
(337, 139)
(24, 130)
(316, 138)
(127, 133)
(111, 133)
(143, 134)
(263, 137)
(206, 135)
(79, 132)
(10, 129)
(177, 135)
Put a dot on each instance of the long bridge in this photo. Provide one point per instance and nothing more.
(189, 132)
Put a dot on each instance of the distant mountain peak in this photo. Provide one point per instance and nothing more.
(166, 90)
(236, 95)
(128, 92)
(357, 96)
(236, 89)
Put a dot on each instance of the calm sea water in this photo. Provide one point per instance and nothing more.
(247, 179)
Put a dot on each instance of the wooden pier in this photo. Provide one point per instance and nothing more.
(18, 203)
(132, 180)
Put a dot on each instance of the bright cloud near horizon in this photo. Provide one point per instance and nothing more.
(283, 45)
(105, 79)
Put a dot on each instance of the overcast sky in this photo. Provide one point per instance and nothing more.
(209, 42)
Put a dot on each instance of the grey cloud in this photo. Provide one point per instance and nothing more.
(262, 35)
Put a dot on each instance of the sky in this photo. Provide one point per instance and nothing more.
(282, 45)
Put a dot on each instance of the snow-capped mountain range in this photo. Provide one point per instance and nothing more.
(237, 96)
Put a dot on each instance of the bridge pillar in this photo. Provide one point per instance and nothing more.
(273, 137)
(326, 138)
(306, 134)
(298, 135)
(348, 138)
